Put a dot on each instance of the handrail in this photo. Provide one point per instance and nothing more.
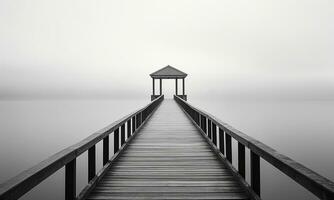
(312, 181)
(17, 186)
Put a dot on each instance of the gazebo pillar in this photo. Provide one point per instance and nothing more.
(153, 92)
(183, 87)
(176, 86)
(160, 87)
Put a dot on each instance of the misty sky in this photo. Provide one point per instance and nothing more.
(107, 48)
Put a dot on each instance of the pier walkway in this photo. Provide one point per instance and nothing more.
(168, 159)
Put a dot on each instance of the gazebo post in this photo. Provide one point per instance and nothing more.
(183, 87)
(160, 86)
(153, 87)
(176, 86)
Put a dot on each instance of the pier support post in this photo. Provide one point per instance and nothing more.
(176, 87)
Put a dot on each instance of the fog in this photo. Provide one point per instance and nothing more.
(107, 49)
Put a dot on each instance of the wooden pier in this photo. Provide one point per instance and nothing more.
(167, 150)
(168, 159)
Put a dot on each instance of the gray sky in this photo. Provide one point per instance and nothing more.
(264, 48)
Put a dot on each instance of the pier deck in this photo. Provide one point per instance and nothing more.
(168, 159)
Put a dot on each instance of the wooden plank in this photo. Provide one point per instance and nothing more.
(168, 159)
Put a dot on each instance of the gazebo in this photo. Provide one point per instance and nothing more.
(169, 72)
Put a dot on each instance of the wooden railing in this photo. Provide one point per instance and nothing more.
(212, 127)
(24, 182)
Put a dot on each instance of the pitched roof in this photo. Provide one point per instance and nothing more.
(168, 72)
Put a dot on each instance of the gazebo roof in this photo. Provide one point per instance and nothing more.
(168, 72)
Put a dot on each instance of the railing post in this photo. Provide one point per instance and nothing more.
(122, 134)
(228, 147)
(105, 150)
(205, 125)
(214, 134)
(255, 172)
(137, 121)
(133, 124)
(209, 128)
(70, 180)
(128, 123)
(116, 140)
(200, 121)
(141, 118)
(221, 141)
(241, 159)
(91, 163)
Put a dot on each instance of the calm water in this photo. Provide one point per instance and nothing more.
(30, 131)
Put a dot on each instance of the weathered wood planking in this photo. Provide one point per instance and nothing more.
(168, 159)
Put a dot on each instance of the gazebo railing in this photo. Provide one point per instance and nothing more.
(218, 132)
(17, 186)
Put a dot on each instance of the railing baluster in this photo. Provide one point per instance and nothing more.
(209, 128)
(70, 180)
(228, 147)
(200, 121)
(116, 140)
(129, 128)
(221, 140)
(214, 134)
(91, 163)
(133, 124)
(137, 121)
(205, 125)
(241, 159)
(105, 150)
(255, 172)
(122, 134)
